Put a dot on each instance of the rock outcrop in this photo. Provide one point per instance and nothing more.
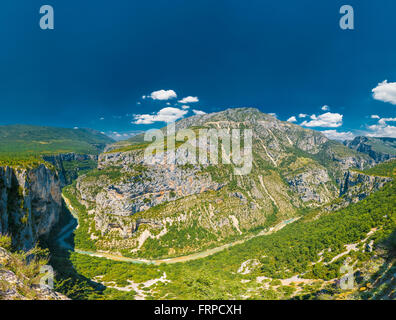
(17, 286)
(358, 186)
(66, 176)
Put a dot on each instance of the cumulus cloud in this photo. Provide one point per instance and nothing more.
(383, 128)
(292, 119)
(163, 95)
(385, 91)
(325, 108)
(168, 114)
(341, 136)
(384, 121)
(189, 99)
(185, 107)
(198, 112)
(374, 116)
(325, 120)
(101, 118)
(302, 115)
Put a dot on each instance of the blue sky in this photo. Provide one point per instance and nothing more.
(285, 57)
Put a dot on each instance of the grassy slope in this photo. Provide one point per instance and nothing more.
(26, 139)
(23, 145)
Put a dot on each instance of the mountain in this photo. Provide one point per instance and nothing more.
(157, 211)
(380, 149)
(308, 206)
(30, 140)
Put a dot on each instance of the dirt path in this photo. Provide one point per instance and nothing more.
(67, 231)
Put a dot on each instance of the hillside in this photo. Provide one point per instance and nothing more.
(156, 211)
(301, 261)
(18, 140)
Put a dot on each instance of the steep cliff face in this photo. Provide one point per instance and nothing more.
(30, 203)
(69, 165)
(358, 186)
(355, 187)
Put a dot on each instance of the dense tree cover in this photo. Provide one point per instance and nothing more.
(21, 160)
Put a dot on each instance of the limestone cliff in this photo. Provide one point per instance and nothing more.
(63, 163)
(355, 187)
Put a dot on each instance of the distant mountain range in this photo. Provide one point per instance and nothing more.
(380, 149)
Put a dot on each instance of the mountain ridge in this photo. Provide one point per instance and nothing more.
(293, 169)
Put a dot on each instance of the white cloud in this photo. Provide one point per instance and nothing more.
(101, 118)
(383, 121)
(122, 135)
(189, 99)
(163, 95)
(185, 107)
(302, 115)
(198, 112)
(382, 128)
(325, 108)
(374, 116)
(382, 131)
(292, 119)
(334, 135)
(385, 91)
(168, 114)
(325, 120)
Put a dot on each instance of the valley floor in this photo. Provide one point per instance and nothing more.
(68, 230)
